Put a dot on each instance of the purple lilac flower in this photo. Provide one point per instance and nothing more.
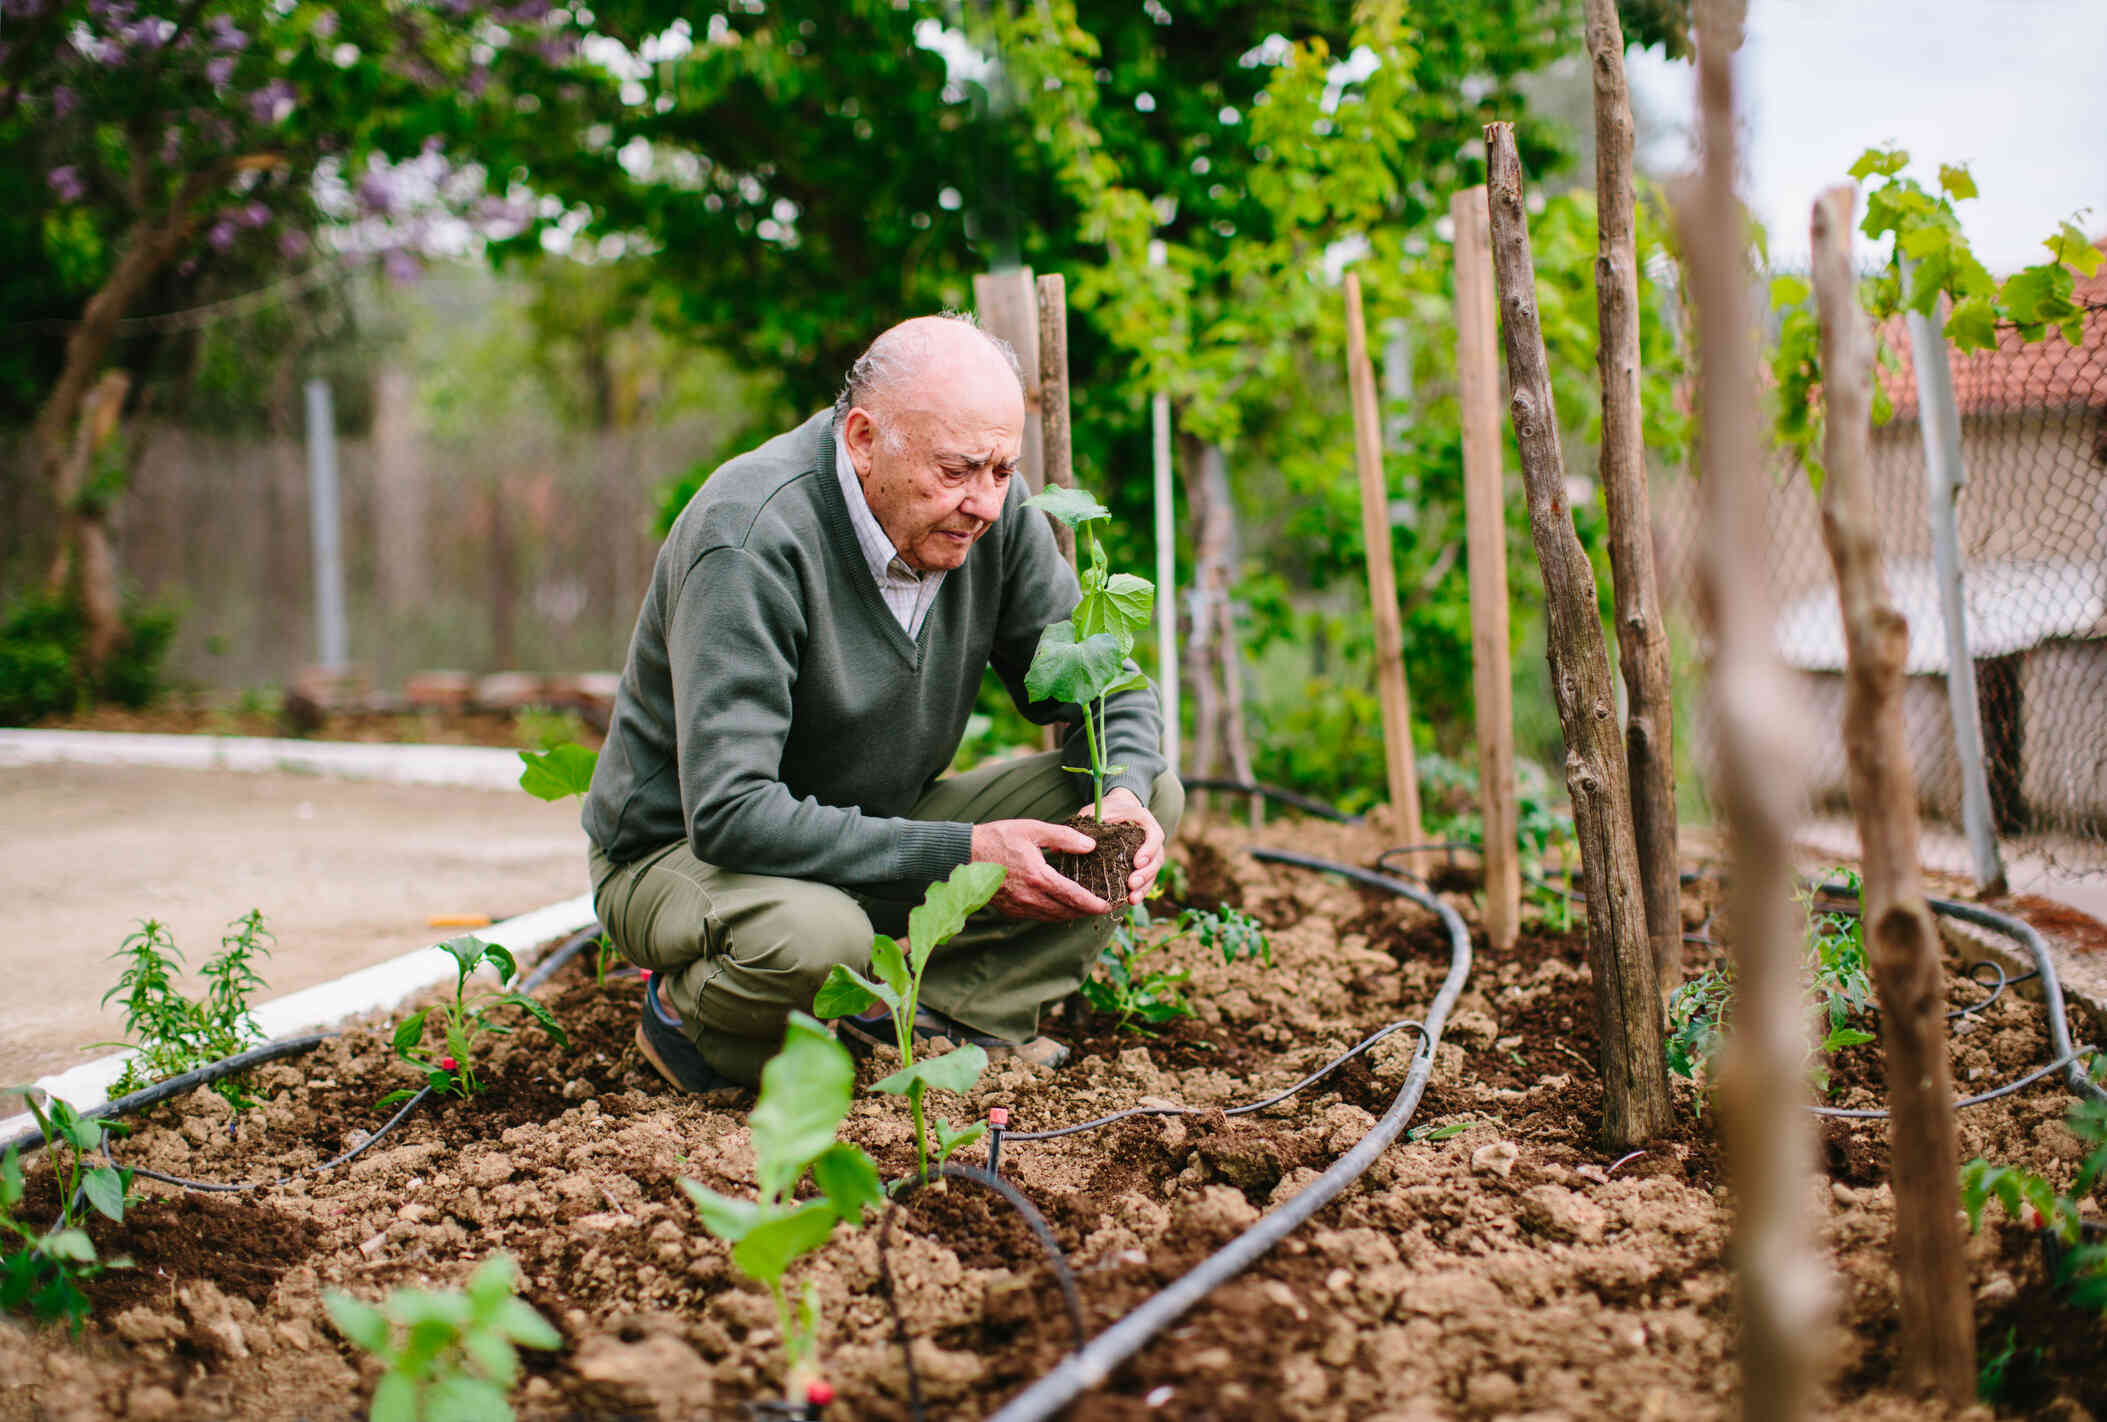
(63, 101)
(171, 144)
(376, 193)
(253, 214)
(325, 24)
(478, 80)
(188, 268)
(400, 266)
(226, 34)
(273, 102)
(221, 234)
(66, 183)
(292, 242)
(220, 70)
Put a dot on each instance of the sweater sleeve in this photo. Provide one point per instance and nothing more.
(1040, 589)
(733, 635)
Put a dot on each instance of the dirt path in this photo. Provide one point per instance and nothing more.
(346, 873)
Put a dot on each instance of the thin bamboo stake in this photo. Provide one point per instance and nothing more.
(1642, 636)
(1485, 523)
(1931, 1267)
(1763, 1088)
(1057, 445)
(1382, 579)
(1636, 1107)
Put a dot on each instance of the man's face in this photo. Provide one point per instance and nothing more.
(935, 471)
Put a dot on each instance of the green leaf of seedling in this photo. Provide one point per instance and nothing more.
(518, 1320)
(541, 1014)
(409, 1032)
(362, 1323)
(771, 1246)
(946, 907)
(461, 1398)
(72, 1244)
(890, 964)
(466, 950)
(1973, 325)
(394, 1399)
(10, 1178)
(565, 770)
(1840, 1037)
(500, 958)
(1448, 1132)
(949, 1141)
(1121, 608)
(82, 1133)
(106, 1192)
(1788, 291)
(1071, 506)
(493, 1280)
(847, 992)
(805, 1090)
(394, 1098)
(953, 1071)
(494, 1358)
(1067, 669)
(846, 1176)
(731, 1220)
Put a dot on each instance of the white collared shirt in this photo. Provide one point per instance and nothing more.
(908, 593)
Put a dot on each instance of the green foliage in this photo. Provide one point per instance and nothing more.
(168, 1031)
(41, 1271)
(446, 1354)
(466, 1019)
(898, 986)
(1840, 990)
(540, 729)
(805, 1094)
(42, 667)
(1084, 659)
(1120, 985)
(557, 771)
(2031, 1200)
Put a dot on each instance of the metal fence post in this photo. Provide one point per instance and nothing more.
(325, 519)
(1939, 419)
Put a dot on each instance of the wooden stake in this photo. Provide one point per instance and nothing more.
(1009, 308)
(1636, 1107)
(1485, 516)
(1762, 1090)
(1642, 637)
(1382, 579)
(1931, 1268)
(1058, 447)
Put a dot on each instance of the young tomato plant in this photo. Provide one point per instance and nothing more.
(1084, 658)
(169, 1032)
(942, 912)
(446, 1354)
(42, 1270)
(805, 1092)
(1120, 986)
(2029, 1199)
(465, 1019)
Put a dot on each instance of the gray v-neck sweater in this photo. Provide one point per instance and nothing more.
(775, 715)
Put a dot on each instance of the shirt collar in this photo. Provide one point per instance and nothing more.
(879, 555)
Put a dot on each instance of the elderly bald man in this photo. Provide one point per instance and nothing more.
(772, 789)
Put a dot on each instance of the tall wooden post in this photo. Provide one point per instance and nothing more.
(1931, 1268)
(1009, 308)
(1057, 443)
(1635, 1103)
(1485, 523)
(1642, 636)
(1382, 578)
(1768, 1136)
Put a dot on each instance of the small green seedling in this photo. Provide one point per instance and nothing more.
(448, 1355)
(171, 1033)
(1083, 659)
(805, 1093)
(2029, 1199)
(465, 1019)
(43, 1272)
(1156, 995)
(561, 770)
(942, 913)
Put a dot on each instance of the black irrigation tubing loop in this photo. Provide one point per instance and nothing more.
(1092, 1364)
(1071, 1297)
(1873, 1113)
(1291, 798)
(270, 1052)
(1132, 1111)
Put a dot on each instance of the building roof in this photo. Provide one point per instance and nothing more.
(2009, 607)
(2044, 374)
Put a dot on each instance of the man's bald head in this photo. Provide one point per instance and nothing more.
(931, 365)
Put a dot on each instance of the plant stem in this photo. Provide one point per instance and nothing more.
(921, 1143)
(1097, 759)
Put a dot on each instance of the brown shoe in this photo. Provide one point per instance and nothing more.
(667, 1048)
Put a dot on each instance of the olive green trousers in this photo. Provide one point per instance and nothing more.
(736, 953)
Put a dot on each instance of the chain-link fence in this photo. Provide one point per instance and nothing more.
(2033, 534)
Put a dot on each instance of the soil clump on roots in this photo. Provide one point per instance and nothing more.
(1104, 870)
(1493, 1263)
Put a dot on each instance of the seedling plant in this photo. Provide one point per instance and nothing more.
(465, 1020)
(561, 769)
(805, 1094)
(1083, 659)
(170, 1032)
(942, 913)
(1121, 986)
(42, 1270)
(448, 1355)
(2031, 1200)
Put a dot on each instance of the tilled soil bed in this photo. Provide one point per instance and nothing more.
(1510, 1268)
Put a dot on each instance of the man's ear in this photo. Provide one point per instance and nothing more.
(859, 432)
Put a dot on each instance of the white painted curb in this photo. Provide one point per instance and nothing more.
(369, 989)
(464, 767)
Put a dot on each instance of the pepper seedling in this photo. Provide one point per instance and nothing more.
(465, 1019)
(446, 1354)
(45, 1272)
(805, 1093)
(942, 913)
(1083, 659)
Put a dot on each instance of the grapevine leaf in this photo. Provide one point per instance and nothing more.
(1885, 161)
(946, 907)
(805, 1090)
(566, 770)
(1788, 291)
(1955, 179)
(953, 1071)
(1071, 506)
(1973, 325)
(2069, 245)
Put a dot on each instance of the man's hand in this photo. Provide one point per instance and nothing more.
(1033, 888)
(1124, 807)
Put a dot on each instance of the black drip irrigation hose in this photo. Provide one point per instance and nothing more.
(1015, 1198)
(1290, 798)
(1091, 1364)
(270, 1052)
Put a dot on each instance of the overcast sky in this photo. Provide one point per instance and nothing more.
(2016, 89)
